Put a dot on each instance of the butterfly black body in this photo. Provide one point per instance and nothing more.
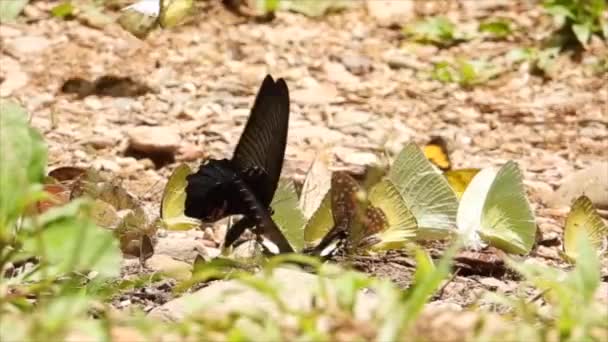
(246, 184)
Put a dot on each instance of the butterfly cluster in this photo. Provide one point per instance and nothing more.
(420, 197)
(246, 184)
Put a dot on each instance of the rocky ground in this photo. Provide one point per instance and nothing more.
(358, 88)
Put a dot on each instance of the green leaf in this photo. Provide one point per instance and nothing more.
(63, 10)
(61, 309)
(22, 163)
(315, 8)
(10, 9)
(70, 242)
(443, 72)
(268, 6)
(434, 30)
(467, 72)
(424, 265)
(348, 287)
(582, 32)
(580, 17)
(427, 282)
(426, 192)
(521, 54)
(559, 10)
(174, 199)
(569, 290)
(586, 275)
(498, 28)
(287, 214)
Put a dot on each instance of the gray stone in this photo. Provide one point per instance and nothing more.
(296, 289)
(93, 103)
(319, 94)
(390, 12)
(149, 139)
(357, 64)
(169, 267)
(354, 157)
(591, 181)
(27, 45)
(180, 246)
(337, 73)
(14, 81)
(355, 118)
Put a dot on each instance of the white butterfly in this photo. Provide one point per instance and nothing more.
(147, 7)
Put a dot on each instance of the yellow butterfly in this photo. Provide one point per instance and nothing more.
(583, 218)
(460, 179)
(436, 152)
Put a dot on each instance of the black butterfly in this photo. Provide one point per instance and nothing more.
(246, 183)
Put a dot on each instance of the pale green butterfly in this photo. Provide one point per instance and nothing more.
(426, 193)
(173, 201)
(494, 210)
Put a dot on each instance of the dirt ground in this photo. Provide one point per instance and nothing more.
(357, 86)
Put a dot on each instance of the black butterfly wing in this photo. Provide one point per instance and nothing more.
(211, 193)
(261, 149)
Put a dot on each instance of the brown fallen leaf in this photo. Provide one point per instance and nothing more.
(66, 173)
(58, 196)
(107, 85)
(486, 262)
